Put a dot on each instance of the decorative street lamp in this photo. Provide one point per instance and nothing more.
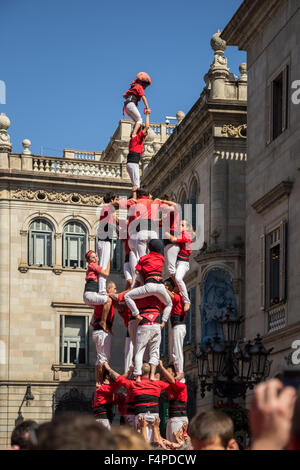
(227, 368)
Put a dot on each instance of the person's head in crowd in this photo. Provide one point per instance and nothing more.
(212, 430)
(294, 443)
(109, 198)
(75, 431)
(142, 192)
(156, 245)
(111, 287)
(128, 439)
(23, 436)
(171, 370)
(146, 369)
(170, 284)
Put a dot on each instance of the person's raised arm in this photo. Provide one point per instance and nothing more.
(113, 374)
(105, 272)
(147, 121)
(166, 374)
(145, 102)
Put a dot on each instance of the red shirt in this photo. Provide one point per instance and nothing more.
(177, 308)
(105, 394)
(185, 244)
(136, 144)
(93, 271)
(177, 396)
(145, 393)
(98, 309)
(126, 314)
(136, 90)
(151, 266)
(147, 306)
(146, 208)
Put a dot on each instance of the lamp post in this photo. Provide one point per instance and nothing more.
(27, 397)
(227, 368)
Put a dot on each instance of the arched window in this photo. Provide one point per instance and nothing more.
(182, 201)
(193, 200)
(40, 243)
(74, 245)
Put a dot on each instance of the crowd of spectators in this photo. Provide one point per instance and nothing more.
(274, 423)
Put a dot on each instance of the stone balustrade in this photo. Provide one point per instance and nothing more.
(77, 167)
(66, 166)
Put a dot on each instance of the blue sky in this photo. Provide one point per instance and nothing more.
(67, 63)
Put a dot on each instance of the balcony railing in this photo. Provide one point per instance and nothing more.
(78, 167)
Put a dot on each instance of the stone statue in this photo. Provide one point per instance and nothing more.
(218, 295)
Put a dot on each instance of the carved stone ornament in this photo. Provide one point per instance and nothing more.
(52, 196)
(23, 268)
(236, 132)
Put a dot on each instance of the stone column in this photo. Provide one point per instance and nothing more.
(23, 264)
(26, 158)
(57, 268)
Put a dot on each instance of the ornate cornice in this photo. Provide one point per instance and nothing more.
(273, 197)
(234, 132)
(57, 197)
(249, 21)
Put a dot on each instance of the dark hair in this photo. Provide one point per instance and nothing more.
(75, 431)
(210, 424)
(171, 366)
(23, 434)
(142, 192)
(170, 281)
(108, 197)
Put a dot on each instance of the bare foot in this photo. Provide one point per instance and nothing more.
(186, 306)
(138, 379)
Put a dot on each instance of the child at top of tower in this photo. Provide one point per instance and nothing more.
(133, 95)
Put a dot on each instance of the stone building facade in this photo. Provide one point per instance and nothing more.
(203, 163)
(49, 212)
(269, 31)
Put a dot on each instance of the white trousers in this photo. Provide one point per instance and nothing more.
(133, 112)
(147, 335)
(93, 298)
(102, 341)
(132, 243)
(182, 267)
(142, 239)
(127, 271)
(173, 425)
(133, 170)
(128, 353)
(104, 422)
(150, 418)
(147, 290)
(103, 249)
(171, 251)
(176, 339)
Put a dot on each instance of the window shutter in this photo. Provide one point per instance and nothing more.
(285, 97)
(263, 271)
(269, 111)
(283, 260)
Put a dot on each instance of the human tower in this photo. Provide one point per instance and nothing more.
(155, 238)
